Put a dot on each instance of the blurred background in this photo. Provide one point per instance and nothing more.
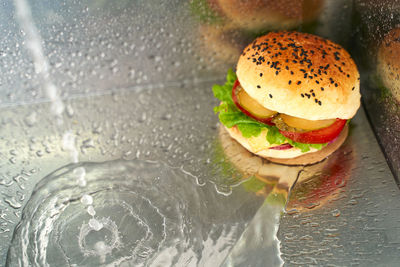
(111, 154)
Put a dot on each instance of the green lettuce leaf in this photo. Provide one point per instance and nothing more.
(230, 115)
(274, 136)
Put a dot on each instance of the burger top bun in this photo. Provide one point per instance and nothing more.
(389, 62)
(301, 75)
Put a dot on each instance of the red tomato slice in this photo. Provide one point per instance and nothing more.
(236, 101)
(319, 136)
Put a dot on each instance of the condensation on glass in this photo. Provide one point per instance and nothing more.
(377, 46)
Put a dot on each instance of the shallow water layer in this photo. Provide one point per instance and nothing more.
(128, 213)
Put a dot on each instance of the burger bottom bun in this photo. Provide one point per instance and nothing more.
(290, 156)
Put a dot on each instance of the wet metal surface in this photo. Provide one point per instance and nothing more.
(355, 211)
(111, 152)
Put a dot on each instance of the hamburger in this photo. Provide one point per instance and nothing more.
(227, 26)
(256, 15)
(259, 15)
(388, 67)
(291, 97)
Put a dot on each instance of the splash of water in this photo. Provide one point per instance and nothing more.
(33, 43)
(139, 219)
(259, 243)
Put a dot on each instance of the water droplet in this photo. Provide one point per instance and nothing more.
(292, 211)
(95, 224)
(312, 205)
(31, 119)
(13, 203)
(87, 200)
(335, 213)
(167, 116)
(353, 202)
(69, 110)
(91, 210)
(88, 143)
(80, 173)
(6, 183)
(142, 117)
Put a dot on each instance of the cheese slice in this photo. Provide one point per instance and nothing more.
(258, 143)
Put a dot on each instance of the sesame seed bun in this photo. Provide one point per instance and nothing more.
(301, 75)
(389, 62)
(292, 156)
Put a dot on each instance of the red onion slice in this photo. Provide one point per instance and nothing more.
(333, 140)
(282, 147)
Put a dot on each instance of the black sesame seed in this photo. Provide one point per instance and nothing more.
(258, 86)
(336, 85)
(302, 95)
(261, 74)
(298, 82)
(322, 89)
(270, 95)
(313, 94)
(352, 89)
(290, 82)
(276, 72)
(291, 72)
(319, 103)
(316, 100)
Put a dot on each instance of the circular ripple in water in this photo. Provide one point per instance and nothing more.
(129, 213)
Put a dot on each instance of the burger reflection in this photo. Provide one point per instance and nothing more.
(226, 26)
(388, 67)
(297, 188)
